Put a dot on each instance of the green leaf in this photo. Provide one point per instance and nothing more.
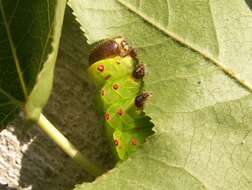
(198, 60)
(29, 39)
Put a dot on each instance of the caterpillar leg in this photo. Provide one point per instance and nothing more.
(140, 99)
(139, 71)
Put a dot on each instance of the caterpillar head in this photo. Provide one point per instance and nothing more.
(111, 48)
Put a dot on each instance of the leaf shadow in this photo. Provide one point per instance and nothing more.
(6, 187)
(249, 3)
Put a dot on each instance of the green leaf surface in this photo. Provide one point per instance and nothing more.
(29, 39)
(198, 57)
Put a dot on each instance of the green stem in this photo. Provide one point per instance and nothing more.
(67, 147)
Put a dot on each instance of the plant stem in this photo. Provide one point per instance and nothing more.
(67, 146)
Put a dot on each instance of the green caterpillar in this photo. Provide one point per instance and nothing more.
(118, 77)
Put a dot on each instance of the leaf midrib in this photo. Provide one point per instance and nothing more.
(246, 85)
(47, 38)
(178, 167)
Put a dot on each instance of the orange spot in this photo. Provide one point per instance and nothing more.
(107, 116)
(120, 112)
(115, 86)
(134, 142)
(100, 68)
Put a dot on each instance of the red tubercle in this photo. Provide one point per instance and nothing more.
(100, 68)
(120, 112)
(115, 86)
(134, 142)
(116, 142)
(106, 116)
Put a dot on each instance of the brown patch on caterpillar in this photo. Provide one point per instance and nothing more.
(107, 77)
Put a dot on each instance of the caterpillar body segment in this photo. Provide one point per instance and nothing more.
(111, 68)
(129, 141)
(115, 90)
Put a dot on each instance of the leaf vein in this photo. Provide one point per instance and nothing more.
(13, 50)
(183, 42)
(178, 167)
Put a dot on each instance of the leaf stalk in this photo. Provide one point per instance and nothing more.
(68, 147)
